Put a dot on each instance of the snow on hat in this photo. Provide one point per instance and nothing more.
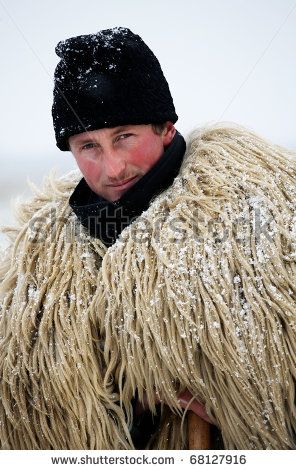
(107, 79)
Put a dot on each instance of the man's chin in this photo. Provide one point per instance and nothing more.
(111, 196)
(115, 197)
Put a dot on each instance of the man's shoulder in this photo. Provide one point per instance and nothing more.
(53, 193)
(48, 203)
(230, 141)
(221, 132)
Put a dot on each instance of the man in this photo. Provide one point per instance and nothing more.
(159, 276)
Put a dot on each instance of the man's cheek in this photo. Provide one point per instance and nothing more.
(140, 163)
(91, 170)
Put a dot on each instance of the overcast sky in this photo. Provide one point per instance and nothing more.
(230, 60)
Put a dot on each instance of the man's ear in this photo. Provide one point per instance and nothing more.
(168, 133)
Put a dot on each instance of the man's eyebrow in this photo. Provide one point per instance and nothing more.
(85, 140)
(120, 129)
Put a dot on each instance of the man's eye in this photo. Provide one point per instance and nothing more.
(88, 146)
(123, 136)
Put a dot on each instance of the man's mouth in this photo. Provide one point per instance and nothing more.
(123, 184)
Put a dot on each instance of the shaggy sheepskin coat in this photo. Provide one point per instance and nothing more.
(198, 292)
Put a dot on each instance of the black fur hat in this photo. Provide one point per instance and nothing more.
(107, 79)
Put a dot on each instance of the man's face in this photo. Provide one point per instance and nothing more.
(112, 160)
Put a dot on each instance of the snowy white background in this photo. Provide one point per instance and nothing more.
(228, 60)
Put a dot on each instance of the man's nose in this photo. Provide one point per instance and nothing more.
(115, 166)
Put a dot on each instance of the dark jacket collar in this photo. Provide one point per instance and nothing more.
(106, 220)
